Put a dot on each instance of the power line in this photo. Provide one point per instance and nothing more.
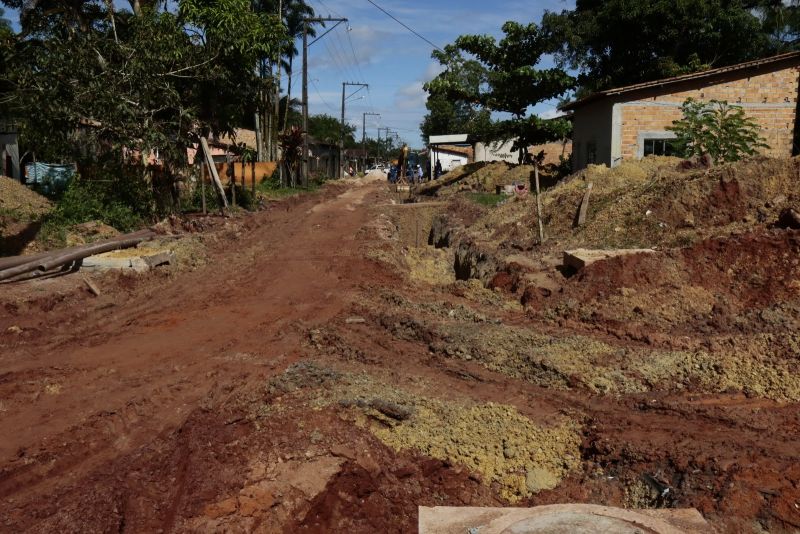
(355, 57)
(401, 23)
(316, 88)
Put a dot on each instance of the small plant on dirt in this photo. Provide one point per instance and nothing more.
(487, 199)
(716, 129)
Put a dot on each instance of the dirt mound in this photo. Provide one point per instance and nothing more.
(21, 200)
(652, 202)
(742, 284)
(484, 177)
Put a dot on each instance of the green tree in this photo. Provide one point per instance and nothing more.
(509, 81)
(454, 116)
(614, 43)
(328, 130)
(716, 129)
(136, 83)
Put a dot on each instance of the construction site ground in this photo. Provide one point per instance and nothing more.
(318, 367)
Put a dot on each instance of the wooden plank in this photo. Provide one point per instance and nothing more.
(214, 176)
(203, 185)
(585, 205)
(538, 203)
(91, 286)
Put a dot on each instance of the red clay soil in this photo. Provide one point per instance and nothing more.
(147, 409)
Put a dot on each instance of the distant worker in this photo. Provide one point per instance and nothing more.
(419, 173)
(437, 170)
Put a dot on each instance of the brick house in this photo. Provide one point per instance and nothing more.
(630, 122)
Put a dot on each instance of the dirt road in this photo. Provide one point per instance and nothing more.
(243, 396)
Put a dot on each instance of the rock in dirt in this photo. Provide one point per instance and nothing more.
(392, 409)
(582, 257)
(539, 479)
(789, 218)
(221, 509)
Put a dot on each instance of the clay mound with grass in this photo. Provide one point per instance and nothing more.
(653, 202)
(648, 203)
(21, 201)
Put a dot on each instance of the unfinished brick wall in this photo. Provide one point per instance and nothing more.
(769, 98)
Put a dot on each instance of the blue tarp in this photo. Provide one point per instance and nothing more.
(50, 177)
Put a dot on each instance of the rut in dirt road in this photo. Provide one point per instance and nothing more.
(136, 368)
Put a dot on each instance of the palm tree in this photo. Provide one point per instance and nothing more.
(294, 14)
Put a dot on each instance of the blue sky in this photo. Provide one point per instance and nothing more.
(372, 48)
(395, 62)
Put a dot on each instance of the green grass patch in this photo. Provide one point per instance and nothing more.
(272, 189)
(486, 199)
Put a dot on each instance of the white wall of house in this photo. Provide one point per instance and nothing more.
(499, 151)
(449, 160)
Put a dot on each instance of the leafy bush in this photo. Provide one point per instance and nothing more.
(715, 128)
(84, 201)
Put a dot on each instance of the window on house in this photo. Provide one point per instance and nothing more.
(659, 147)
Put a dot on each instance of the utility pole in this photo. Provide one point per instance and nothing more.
(364, 135)
(306, 21)
(278, 98)
(341, 133)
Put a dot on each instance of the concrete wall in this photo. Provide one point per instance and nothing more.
(498, 151)
(449, 161)
(769, 98)
(552, 151)
(264, 169)
(591, 134)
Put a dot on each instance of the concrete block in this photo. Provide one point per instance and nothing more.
(128, 260)
(559, 518)
(581, 257)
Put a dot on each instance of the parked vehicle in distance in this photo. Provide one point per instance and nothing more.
(379, 167)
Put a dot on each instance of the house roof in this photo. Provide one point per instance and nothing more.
(448, 139)
(789, 59)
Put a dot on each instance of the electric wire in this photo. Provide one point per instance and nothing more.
(404, 25)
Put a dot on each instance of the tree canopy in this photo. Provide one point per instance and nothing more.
(613, 43)
(81, 75)
(328, 129)
(505, 77)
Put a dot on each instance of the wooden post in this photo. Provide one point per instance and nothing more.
(585, 205)
(232, 167)
(203, 186)
(538, 202)
(253, 167)
(214, 175)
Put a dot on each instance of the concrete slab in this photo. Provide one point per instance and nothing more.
(559, 518)
(129, 260)
(582, 257)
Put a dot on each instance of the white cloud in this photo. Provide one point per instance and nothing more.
(411, 96)
(432, 71)
(551, 113)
